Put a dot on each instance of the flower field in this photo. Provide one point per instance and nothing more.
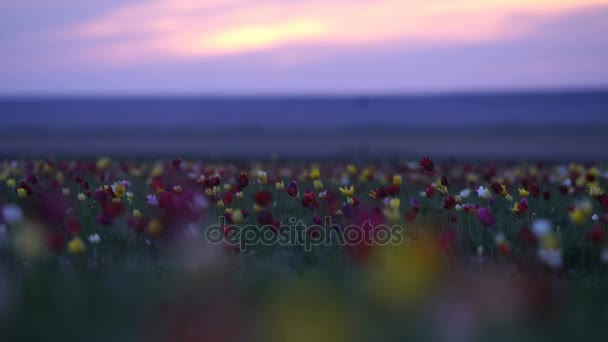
(208, 250)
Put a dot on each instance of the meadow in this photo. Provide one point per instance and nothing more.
(272, 250)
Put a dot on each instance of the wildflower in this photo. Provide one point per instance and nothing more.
(262, 177)
(581, 212)
(595, 218)
(366, 175)
(392, 214)
(119, 190)
(318, 185)
(603, 199)
(157, 171)
(76, 246)
(347, 191)
(442, 189)
(499, 189)
(351, 169)
(394, 203)
(449, 202)
(242, 181)
(21, 192)
(551, 257)
(10, 183)
(309, 200)
(501, 244)
(323, 194)
(81, 197)
(549, 241)
(429, 191)
(94, 238)
(65, 191)
(12, 214)
(239, 195)
(104, 163)
(597, 235)
(292, 189)
(220, 203)
(136, 213)
(541, 227)
(397, 180)
(484, 193)
(520, 207)
(393, 190)
(414, 204)
(157, 185)
(465, 193)
(485, 217)
(524, 193)
(237, 216)
(73, 227)
(353, 201)
(263, 198)
(426, 164)
(178, 189)
(378, 193)
(155, 227)
(594, 190)
(212, 191)
(315, 174)
(152, 200)
(547, 195)
(279, 185)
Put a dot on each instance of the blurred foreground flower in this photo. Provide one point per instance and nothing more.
(76, 246)
(401, 275)
(306, 310)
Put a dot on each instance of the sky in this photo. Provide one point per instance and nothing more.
(300, 46)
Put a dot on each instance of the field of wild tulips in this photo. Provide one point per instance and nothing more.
(202, 250)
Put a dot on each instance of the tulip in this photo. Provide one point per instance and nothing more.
(76, 246)
(426, 164)
(485, 217)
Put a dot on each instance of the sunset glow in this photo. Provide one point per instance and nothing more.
(189, 28)
(137, 33)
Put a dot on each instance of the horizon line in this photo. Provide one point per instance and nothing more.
(315, 94)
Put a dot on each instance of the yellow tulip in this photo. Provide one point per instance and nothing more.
(76, 246)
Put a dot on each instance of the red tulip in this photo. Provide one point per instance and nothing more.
(263, 198)
(309, 200)
(242, 181)
(426, 164)
(597, 235)
(73, 227)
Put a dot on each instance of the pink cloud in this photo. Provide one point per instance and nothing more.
(176, 29)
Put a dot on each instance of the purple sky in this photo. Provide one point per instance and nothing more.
(300, 46)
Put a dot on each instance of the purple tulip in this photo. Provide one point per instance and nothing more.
(485, 217)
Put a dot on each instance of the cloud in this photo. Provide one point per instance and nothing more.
(231, 46)
(159, 30)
